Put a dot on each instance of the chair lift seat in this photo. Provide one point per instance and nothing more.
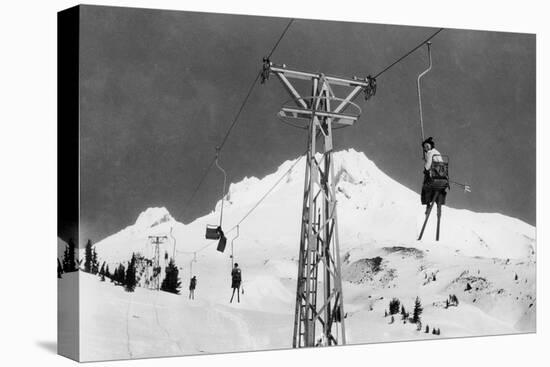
(221, 244)
(212, 232)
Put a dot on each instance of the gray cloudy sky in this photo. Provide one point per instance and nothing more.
(160, 88)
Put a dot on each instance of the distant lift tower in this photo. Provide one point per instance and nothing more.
(156, 241)
(319, 323)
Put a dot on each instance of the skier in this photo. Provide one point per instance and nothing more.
(236, 282)
(192, 286)
(431, 155)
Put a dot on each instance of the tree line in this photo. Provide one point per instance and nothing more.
(125, 276)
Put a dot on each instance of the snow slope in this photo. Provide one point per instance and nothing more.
(378, 217)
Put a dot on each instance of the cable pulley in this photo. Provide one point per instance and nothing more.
(370, 89)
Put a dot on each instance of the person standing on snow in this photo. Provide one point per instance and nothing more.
(192, 286)
(236, 279)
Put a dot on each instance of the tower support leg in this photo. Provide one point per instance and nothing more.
(318, 240)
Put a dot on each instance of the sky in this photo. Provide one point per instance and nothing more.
(159, 89)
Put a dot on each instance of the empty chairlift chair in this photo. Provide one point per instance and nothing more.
(215, 232)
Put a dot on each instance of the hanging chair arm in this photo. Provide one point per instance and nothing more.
(224, 182)
(420, 94)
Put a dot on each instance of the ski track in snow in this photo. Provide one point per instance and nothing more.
(128, 326)
(163, 328)
(242, 327)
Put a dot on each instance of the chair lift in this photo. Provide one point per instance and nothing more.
(215, 232)
(439, 170)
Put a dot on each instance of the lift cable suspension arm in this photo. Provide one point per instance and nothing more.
(419, 92)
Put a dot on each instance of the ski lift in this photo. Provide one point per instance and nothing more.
(438, 181)
(215, 232)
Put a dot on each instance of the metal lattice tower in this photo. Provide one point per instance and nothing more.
(319, 271)
(156, 241)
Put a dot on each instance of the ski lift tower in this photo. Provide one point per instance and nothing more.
(319, 260)
(156, 241)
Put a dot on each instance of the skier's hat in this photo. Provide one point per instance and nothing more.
(430, 141)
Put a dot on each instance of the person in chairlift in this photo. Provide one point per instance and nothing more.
(192, 286)
(430, 155)
(236, 279)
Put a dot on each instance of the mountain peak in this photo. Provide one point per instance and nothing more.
(152, 217)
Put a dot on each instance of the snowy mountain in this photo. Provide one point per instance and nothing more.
(486, 259)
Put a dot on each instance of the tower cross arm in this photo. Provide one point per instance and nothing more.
(306, 75)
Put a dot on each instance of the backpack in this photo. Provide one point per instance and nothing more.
(236, 273)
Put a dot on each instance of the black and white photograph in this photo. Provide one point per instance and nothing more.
(274, 183)
(253, 183)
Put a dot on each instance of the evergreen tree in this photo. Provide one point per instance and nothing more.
(468, 287)
(88, 257)
(427, 329)
(171, 282)
(434, 332)
(417, 310)
(130, 279)
(107, 272)
(59, 269)
(394, 306)
(69, 261)
(95, 262)
(119, 274)
(102, 270)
